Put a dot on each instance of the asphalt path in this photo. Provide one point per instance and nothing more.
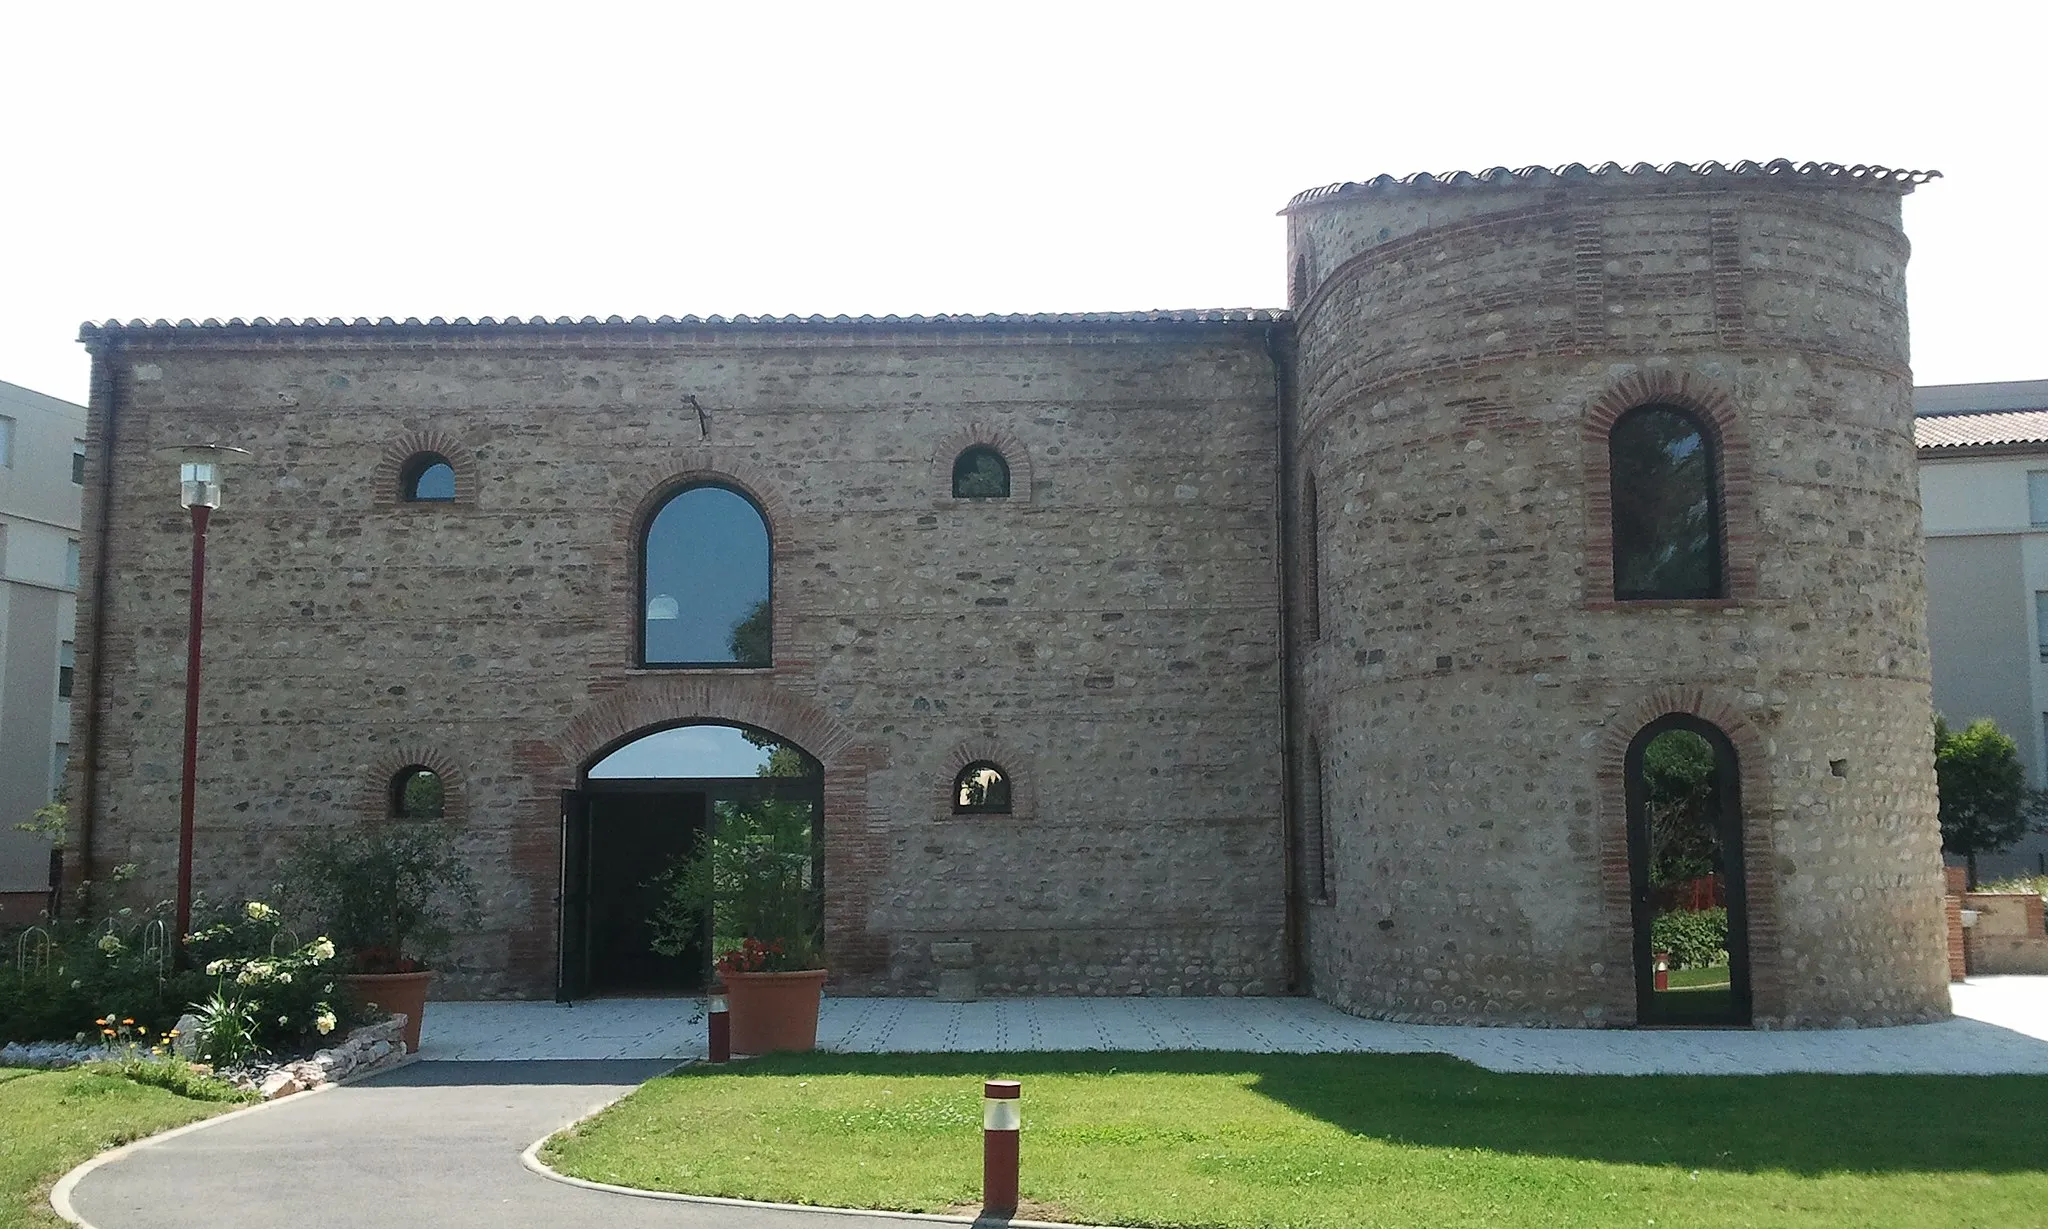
(434, 1144)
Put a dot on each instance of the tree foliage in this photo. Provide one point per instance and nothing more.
(1985, 802)
(1682, 796)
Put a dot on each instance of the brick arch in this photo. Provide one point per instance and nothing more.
(1015, 455)
(374, 802)
(1760, 882)
(652, 488)
(1729, 433)
(1017, 764)
(855, 852)
(390, 466)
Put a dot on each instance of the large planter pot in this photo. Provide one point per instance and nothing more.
(395, 992)
(774, 1011)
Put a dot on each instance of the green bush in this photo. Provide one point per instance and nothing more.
(262, 970)
(1696, 938)
(63, 974)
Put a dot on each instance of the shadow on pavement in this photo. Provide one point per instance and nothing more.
(429, 1073)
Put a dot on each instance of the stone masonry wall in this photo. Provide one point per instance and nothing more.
(1108, 634)
(1474, 686)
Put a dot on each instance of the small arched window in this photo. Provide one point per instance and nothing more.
(427, 478)
(417, 793)
(1298, 288)
(981, 473)
(1667, 518)
(704, 581)
(982, 788)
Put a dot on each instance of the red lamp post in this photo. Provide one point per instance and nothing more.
(199, 475)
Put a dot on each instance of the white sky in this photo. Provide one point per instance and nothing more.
(371, 159)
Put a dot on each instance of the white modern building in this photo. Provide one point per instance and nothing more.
(42, 480)
(1984, 496)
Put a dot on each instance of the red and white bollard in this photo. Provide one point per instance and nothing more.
(1000, 1122)
(720, 1014)
(1661, 963)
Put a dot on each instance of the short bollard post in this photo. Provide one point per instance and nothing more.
(721, 1027)
(1000, 1121)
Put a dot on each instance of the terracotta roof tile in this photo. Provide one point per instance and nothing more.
(261, 325)
(1781, 169)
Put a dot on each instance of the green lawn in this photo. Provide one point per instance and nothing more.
(53, 1120)
(1336, 1140)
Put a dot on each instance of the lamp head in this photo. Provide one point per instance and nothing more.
(199, 470)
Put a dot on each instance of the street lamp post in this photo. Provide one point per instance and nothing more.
(199, 482)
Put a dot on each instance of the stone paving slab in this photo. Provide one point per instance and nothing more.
(2001, 1027)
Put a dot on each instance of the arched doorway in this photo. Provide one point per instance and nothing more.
(644, 804)
(1686, 878)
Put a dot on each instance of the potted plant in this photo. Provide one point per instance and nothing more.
(392, 896)
(752, 880)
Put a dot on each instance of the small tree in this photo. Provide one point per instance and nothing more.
(1985, 802)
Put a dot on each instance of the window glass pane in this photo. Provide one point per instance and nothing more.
(1666, 541)
(981, 473)
(981, 787)
(60, 760)
(67, 663)
(704, 751)
(2041, 622)
(78, 462)
(418, 794)
(71, 564)
(2037, 496)
(437, 481)
(705, 588)
(6, 442)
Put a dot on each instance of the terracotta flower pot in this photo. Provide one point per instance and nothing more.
(774, 1011)
(396, 992)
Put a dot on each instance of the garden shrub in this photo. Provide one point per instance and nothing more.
(91, 967)
(1696, 938)
(285, 987)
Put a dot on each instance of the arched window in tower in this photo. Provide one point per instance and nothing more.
(1666, 506)
(427, 478)
(417, 793)
(1297, 290)
(981, 473)
(705, 581)
(982, 788)
(1311, 562)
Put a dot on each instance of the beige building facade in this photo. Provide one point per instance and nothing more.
(1308, 646)
(1984, 492)
(42, 443)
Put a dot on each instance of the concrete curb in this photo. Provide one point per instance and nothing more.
(530, 1159)
(60, 1194)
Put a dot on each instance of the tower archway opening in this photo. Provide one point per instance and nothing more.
(1686, 875)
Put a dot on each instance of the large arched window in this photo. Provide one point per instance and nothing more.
(704, 581)
(427, 478)
(1667, 523)
(981, 473)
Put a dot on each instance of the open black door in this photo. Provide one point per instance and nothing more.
(572, 901)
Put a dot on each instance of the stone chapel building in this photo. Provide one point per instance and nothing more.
(1175, 652)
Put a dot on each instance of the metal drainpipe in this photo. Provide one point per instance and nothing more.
(106, 391)
(1283, 524)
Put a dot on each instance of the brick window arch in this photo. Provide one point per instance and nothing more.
(967, 762)
(976, 439)
(1725, 439)
(416, 783)
(411, 472)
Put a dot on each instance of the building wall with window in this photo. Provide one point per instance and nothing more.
(1310, 646)
(1984, 491)
(40, 439)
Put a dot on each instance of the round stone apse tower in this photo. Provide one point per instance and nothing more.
(1579, 456)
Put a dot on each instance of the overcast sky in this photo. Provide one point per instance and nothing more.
(370, 159)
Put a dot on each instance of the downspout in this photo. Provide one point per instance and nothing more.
(104, 397)
(1279, 353)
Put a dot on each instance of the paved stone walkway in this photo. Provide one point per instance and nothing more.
(2001, 1027)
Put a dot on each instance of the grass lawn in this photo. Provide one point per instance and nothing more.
(1338, 1140)
(53, 1120)
(1696, 979)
